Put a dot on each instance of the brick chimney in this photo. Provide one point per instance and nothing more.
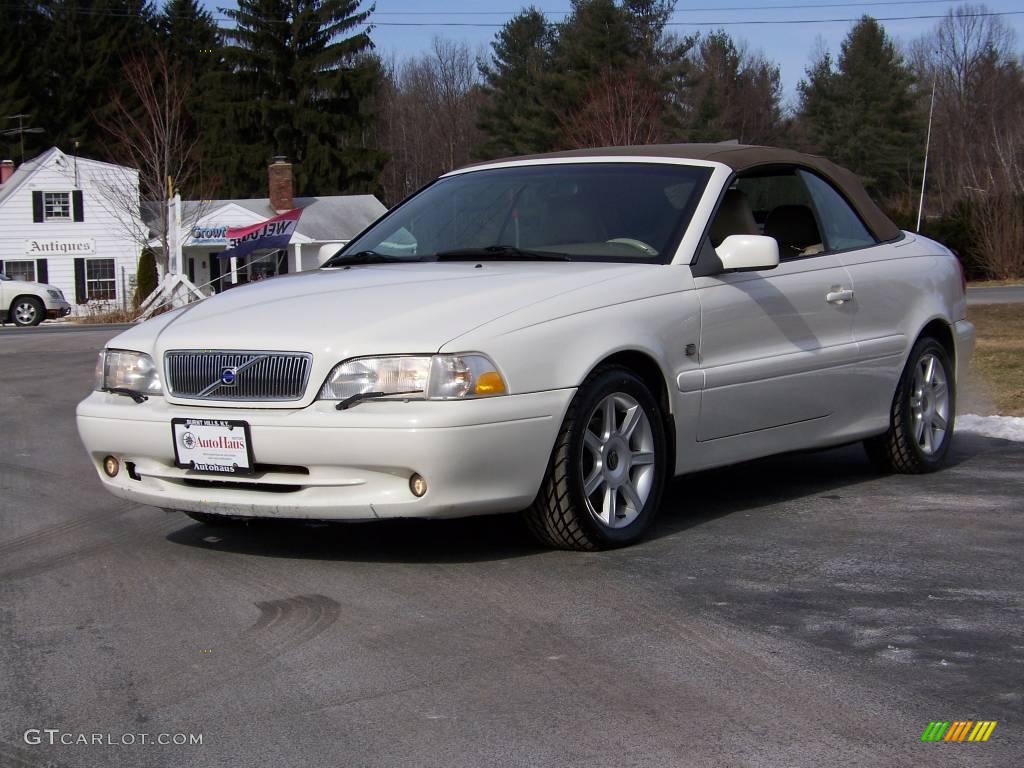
(6, 170)
(282, 191)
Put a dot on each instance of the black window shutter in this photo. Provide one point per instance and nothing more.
(80, 295)
(42, 271)
(76, 205)
(1, 265)
(191, 269)
(283, 261)
(37, 207)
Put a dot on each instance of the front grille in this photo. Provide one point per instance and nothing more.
(224, 375)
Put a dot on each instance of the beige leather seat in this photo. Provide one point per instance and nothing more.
(734, 217)
(795, 230)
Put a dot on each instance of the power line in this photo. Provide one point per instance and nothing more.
(787, 7)
(730, 23)
(720, 23)
(20, 131)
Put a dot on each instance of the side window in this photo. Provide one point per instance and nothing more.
(783, 209)
(21, 270)
(843, 228)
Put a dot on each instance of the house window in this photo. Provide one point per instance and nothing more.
(56, 205)
(100, 283)
(21, 270)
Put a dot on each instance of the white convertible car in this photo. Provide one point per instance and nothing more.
(558, 335)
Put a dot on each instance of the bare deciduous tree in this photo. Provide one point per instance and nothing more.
(978, 131)
(621, 109)
(153, 134)
(734, 93)
(429, 116)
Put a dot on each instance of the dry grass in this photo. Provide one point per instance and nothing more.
(999, 357)
(98, 316)
(993, 283)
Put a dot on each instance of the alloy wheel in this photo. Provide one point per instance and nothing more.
(617, 461)
(929, 404)
(25, 313)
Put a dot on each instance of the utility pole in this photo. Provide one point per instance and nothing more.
(20, 131)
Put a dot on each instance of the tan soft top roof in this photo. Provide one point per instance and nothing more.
(745, 157)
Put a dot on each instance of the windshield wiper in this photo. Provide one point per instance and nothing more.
(367, 257)
(500, 253)
(348, 402)
(138, 397)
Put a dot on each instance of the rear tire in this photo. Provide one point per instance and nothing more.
(27, 311)
(922, 417)
(605, 477)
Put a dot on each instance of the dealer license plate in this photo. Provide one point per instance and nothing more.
(212, 445)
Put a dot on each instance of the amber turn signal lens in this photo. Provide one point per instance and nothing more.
(111, 466)
(489, 383)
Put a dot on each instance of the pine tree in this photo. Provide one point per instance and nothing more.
(300, 85)
(518, 116)
(544, 77)
(734, 95)
(80, 64)
(146, 277)
(17, 77)
(194, 47)
(603, 38)
(863, 113)
(190, 35)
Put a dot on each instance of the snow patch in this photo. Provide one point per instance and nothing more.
(1005, 427)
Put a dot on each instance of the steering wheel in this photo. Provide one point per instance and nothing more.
(640, 245)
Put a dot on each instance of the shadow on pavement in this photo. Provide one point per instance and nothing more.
(689, 501)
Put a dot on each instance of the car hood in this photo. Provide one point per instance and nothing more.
(364, 310)
(28, 285)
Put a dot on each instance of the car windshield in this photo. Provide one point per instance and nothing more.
(634, 212)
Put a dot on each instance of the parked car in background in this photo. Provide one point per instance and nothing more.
(560, 334)
(28, 303)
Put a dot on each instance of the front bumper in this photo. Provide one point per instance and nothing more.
(62, 309)
(477, 456)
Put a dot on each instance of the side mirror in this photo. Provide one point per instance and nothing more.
(746, 253)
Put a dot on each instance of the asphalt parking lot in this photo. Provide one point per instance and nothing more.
(797, 611)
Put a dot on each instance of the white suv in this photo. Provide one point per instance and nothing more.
(26, 303)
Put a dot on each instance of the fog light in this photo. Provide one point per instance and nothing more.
(417, 485)
(111, 466)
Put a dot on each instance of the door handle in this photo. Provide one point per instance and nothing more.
(839, 295)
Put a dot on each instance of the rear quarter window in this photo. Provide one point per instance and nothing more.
(841, 226)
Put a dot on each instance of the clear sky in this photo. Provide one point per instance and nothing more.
(406, 27)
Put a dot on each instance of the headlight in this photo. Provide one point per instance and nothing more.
(130, 371)
(437, 377)
(55, 295)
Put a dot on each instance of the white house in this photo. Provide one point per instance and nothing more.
(74, 223)
(325, 225)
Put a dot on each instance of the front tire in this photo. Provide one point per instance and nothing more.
(605, 477)
(922, 417)
(27, 311)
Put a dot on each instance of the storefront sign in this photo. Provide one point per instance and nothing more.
(208, 235)
(83, 246)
